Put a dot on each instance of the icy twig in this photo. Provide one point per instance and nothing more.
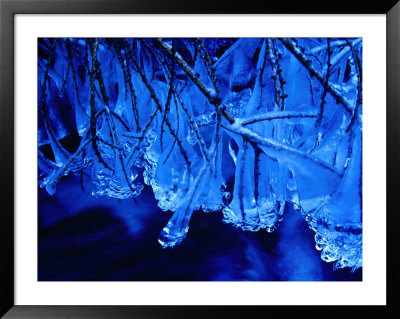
(253, 137)
(113, 146)
(93, 49)
(337, 43)
(303, 60)
(209, 65)
(158, 105)
(275, 116)
(341, 54)
(192, 122)
(359, 84)
(323, 96)
(63, 169)
(49, 129)
(131, 135)
(96, 73)
(71, 63)
(318, 122)
(128, 81)
(170, 90)
(236, 127)
(121, 120)
(65, 79)
(276, 74)
(208, 92)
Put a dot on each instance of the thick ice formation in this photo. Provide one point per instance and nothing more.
(242, 126)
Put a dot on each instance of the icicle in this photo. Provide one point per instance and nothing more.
(270, 205)
(338, 222)
(232, 152)
(242, 211)
(60, 153)
(82, 120)
(214, 191)
(120, 183)
(171, 180)
(176, 229)
(164, 128)
(150, 158)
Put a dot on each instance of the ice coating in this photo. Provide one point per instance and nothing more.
(237, 127)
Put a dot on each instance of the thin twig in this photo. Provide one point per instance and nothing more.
(302, 59)
(275, 116)
(158, 105)
(93, 49)
(275, 145)
(44, 107)
(71, 62)
(192, 122)
(209, 93)
(357, 63)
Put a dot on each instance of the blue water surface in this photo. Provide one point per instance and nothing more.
(83, 238)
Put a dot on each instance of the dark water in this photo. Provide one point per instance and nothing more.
(83, 238)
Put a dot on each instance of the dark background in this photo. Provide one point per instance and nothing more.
(85, 238)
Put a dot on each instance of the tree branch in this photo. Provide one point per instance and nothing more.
(275, 116)
(303, 60)
(192, 122)
(275, 145)
(158, 105)
(208, 92)
(357, 63)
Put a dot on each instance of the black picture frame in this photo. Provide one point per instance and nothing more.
(9, 8)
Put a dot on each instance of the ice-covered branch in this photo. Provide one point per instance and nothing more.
(128, 82)
(342, 53)
(55, 177)
(275, 116)
(328, 73)
(158, 105)
(305, 62)
(151, 100)
(333, 44)
(277, 146)
(71, 63)
(177, 98)
(93, 111)
(169, 95)
(60, 154)
(208, 92)
(209, 65)
(279, 82)
(357, 63)
(109, 118)
(318, 122)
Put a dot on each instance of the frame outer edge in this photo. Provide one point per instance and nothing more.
(392, 152)
(6, 157)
